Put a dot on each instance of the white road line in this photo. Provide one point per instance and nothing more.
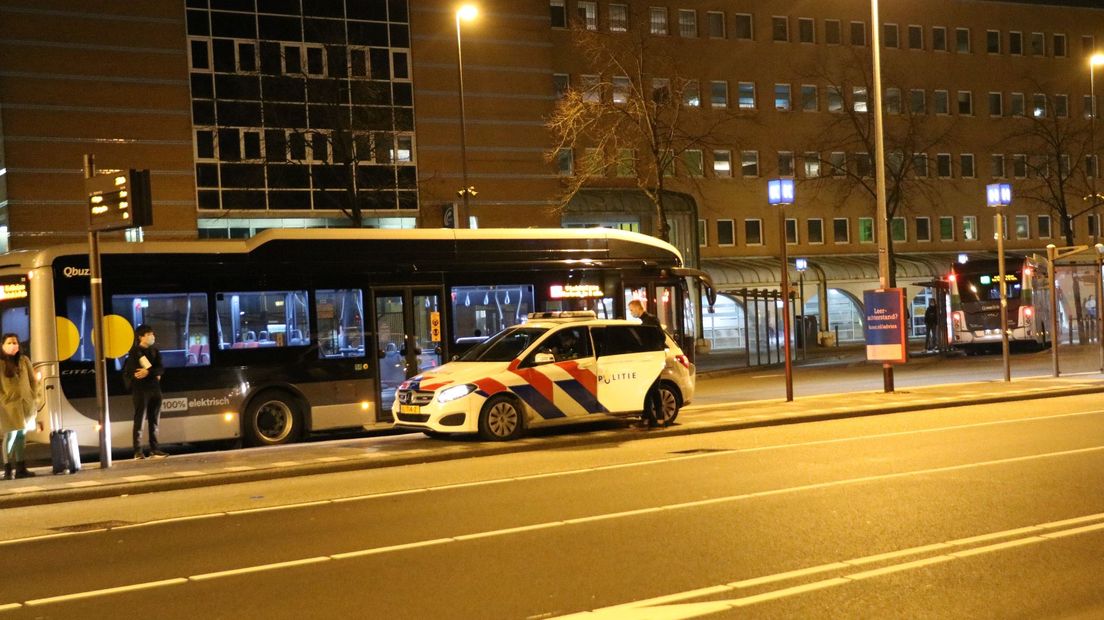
(82, 483)
(285, 464)
(239, 468)
(378, 550)
(10, 606)
(1075, 531)
(247, 511)
(330, 459)
(141, 478)
(256, 569)
(793, 574)
(896, 568)
(30, 489)
(37, 538)
(189, 473)
(769, 596)
(106, 592)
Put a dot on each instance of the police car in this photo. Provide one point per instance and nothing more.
(555, 368)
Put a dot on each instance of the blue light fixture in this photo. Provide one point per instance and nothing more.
(780, 192)
(998, 194)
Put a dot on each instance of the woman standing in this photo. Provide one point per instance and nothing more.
(17, 410)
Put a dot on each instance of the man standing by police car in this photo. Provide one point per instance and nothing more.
(636, 309)
(653, 408)
(143, 370)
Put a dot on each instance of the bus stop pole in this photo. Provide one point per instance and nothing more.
(1052, 259)
(1003, 295)
(100, 365)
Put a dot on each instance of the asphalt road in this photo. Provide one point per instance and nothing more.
(984, 511)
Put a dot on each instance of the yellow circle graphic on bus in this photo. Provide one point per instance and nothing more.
(118, 336)
(68, 338)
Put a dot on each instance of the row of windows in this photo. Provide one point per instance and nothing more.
(244, 198)
(248, 144)
(299, 59)
(921, 230)
(807, 97)
(833, 164)
(716, 26)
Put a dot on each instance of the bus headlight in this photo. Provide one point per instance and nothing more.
(454, 392)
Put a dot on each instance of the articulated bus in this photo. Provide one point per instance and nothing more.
(298, 331)
(975, 303)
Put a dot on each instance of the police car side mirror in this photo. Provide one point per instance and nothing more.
(544, 358)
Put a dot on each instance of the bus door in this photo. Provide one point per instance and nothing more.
(409, 333)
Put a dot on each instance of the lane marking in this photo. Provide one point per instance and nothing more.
(106, 592)
(140, 478)
(209, 515)
(189, 473)
(239, 468)
(389, 549)
(247, 511)
(256, 569)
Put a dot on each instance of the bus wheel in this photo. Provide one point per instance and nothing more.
(670, 405)
(271, 419)
(500, 419)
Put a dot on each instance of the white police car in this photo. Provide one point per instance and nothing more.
(556, 368)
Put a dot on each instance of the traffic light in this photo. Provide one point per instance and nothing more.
(118, 201)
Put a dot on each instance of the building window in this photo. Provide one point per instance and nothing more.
(716, 20)
(785, 163)
(251, 147)
(1038, 105)
(791, 231)
(1023, 227)
(246, 57)
(969, 228)
(621, 88)
(205, 144)
(858, 34)
(749, 163)
(923, 228)
(809, 98)
(835, 99)
(726, 232)
(992, 41)
(1019, 166)
(1059, 45)
(942, 102)
(866, 230)
(658, 20)
(565, 162)
(996, 165)
(1016, 104)
(200, 52)
(943, 165)
(743, 27)
(893, 100)
(722, 164)
(688, 23)
(694, 162)
(753, 232)
(691, 94)
(815, 229)
(1087, 106)
(962, 40)
(560, 84)
(1043, 225)
(1091, 169)
(782, 97)
(588, 14)
(806, 29)
(898, 229)
(920, 165)
(780, 28)
(864, 169)
(858, 98)
(915, 37)
(966, 165)
(661, 90)
(890, 36)
(718, 94)
(626, 163)
(293, 59)
(703, 233)
(917, 102)
(833, 31)
(1061, 106)
(837, 163)
(591, 88)
(1038, 44)
(1015, 43)
(946, 228)
(965, 103)
(841, 230)
(316, 60)
(939, 38)
(812, 165)
(1088, 44)
(618, 17)
(559, 13)
(745, 92)
(996, 104)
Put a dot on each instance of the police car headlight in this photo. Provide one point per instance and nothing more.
(454, 392)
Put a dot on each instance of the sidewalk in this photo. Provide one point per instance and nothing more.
(232, 466)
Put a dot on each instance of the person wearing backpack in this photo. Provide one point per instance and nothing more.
(17, 409)
(143, 370)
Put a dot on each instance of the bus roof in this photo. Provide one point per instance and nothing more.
(27, 259)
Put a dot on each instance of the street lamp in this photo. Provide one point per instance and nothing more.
(881, 215)
(1094, 61)
(999, 196)
(780, 192)
(466, 12)
(802, 264)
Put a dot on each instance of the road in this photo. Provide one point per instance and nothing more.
(983, 511)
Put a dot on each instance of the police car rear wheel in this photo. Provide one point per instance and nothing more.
(670, 405)
(500, 420)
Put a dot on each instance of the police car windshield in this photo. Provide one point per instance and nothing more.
(505, 345)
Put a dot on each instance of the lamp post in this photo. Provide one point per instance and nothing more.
(1094, 61)
(466, 12)
(801, 264)
(999, 196)
(780, 192)
(881, 216)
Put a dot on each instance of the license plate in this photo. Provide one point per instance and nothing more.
(409, 409)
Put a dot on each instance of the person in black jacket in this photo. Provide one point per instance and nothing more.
(143, 370)
(653, 405)
(636, 309)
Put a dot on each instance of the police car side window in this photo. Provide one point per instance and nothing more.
(623, 339)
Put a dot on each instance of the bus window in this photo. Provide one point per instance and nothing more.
(482, 311)
(178, 319)
(78, 309)
(14, 307)
(340, 323)
(262, 319)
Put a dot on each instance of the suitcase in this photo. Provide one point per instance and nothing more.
(64, 451)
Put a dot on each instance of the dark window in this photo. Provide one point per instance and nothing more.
(178, 319)
(626, 339)
(249, 320)
(247, 57)
(315, 61)
(201, 58)
(292, 59)
(559, 14)
(205, 144)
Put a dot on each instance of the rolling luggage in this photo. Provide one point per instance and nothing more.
(64, 451)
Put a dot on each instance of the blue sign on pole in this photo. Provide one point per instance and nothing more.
(886, 338)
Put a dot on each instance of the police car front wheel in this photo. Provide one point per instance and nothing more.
(500, 420)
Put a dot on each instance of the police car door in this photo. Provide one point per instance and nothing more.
(630, 358)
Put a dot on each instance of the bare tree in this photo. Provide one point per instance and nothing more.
(910, 134)
(637, 117)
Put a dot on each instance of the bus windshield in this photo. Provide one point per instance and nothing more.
(505, 345)
(979, 287)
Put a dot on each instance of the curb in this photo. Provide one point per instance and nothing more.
(599, 437)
